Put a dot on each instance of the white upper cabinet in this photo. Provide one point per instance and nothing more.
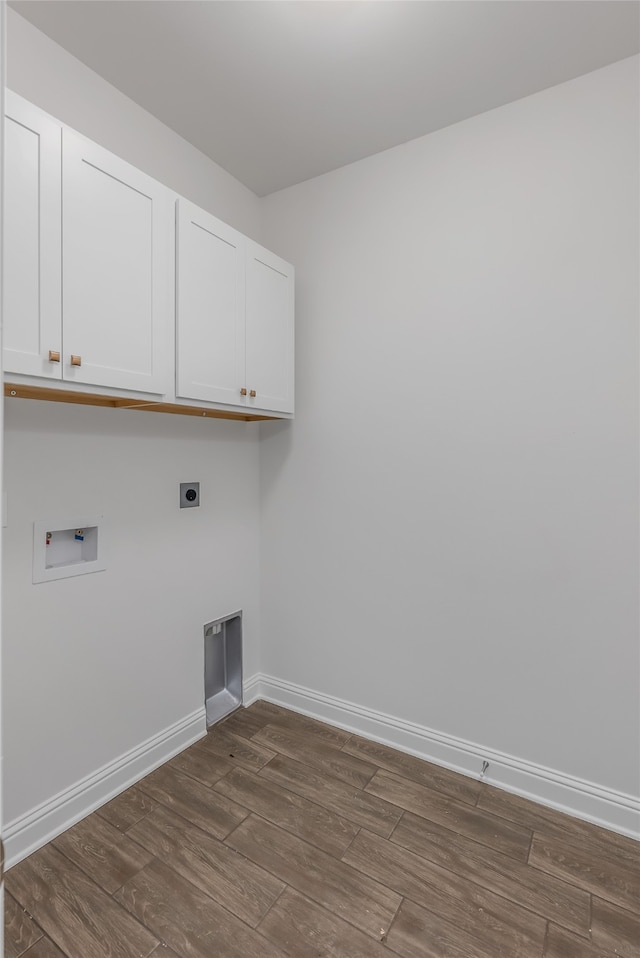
(32, 335)
(116, 255)
(235, 314)
(87, 293)
(270, 331)
(94, 251)
(210, 308)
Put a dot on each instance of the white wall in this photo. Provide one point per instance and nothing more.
(95, 666)
(449, 528)
(44, 73)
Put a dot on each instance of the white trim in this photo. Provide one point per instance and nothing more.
(582, 799)
(252, 690)
(30, 831)
(586, 800)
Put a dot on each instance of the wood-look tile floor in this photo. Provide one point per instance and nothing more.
(279, 836)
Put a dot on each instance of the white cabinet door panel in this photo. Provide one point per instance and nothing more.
(210, 303)
(270, 330)
(116, 261)
(31, 256)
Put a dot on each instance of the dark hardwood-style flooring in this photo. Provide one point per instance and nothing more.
(279, 837)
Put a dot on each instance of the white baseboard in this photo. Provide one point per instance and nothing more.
(252, 690)
(29, 832)
(582, 799)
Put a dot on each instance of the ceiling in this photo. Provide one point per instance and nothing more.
(279, 91)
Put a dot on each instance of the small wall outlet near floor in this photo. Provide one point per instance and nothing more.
(189, 495)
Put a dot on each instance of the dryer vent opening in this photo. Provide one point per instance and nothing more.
(222, 667)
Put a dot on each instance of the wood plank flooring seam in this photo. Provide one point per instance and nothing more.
(310, 879)
(615, 926)
(448, 923)
(190, 821)
(530, 846)
(192, 919)
(21, 930)
(195, 888)
(546, 940)
(384, 937)
(620, 898)
(284, 728)
(89, 912)
(498, 894)
(470, 866)
(347, 921)
(131, 856)
(354, 804)
(36, 950)
(286, 718)
(191, 774)
(305, 929)
(431, 890)
(120, 812)
(351, 843)
(561, 944)
(111, 895)
(547, 822)
(238, 884)
(463, 819)
(323, 757)
(273, 903)
(442, 780)
(287, 817)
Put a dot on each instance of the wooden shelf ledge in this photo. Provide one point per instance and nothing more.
(16, 391)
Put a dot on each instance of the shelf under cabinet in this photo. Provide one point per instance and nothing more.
(16, 391)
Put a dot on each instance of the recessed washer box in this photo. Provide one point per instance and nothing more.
(68, 547)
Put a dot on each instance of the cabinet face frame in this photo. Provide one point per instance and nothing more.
(210, 308)
(116, 256)
(270, 330)
(32, 253)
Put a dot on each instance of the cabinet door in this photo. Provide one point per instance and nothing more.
(116, 301)
(270, 333)
(210, 306)
(31, 251)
